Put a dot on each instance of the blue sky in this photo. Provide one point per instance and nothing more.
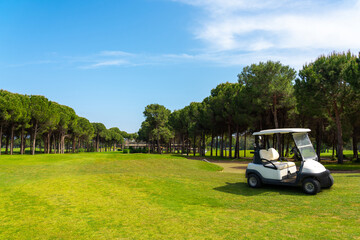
(108, 59)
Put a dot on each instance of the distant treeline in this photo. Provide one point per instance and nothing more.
(324, 96)
(36, 122)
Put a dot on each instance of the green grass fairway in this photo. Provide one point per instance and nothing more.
(141, 196)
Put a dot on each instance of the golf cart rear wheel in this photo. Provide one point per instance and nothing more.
(254, 181)
(311, 186)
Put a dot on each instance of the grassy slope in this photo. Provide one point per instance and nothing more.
(107, 196)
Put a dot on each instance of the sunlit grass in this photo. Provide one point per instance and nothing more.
(141, 196)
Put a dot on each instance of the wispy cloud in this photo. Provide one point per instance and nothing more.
(295, 58)
(116, 53)
(106, 63)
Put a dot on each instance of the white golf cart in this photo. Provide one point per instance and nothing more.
(268, 168)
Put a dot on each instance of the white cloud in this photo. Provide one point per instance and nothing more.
(279, 28)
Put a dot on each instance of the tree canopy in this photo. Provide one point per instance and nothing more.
(38, 122)
(324, 97)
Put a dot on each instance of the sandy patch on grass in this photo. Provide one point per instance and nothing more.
(231, 166)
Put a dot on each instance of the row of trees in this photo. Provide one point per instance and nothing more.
(38, 122)
(323, 96)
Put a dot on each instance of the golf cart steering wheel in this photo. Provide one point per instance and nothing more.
(273, 165)
(295, 151)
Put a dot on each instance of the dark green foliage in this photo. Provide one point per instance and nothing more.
(325, 91)
(37, 122)
(155, 126)
(324, 98)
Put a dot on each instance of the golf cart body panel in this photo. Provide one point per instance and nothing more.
(269, 168)
(311, 166)
(270, 172)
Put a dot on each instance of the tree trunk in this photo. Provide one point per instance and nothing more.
(211, 144)
(12, 140)
(217, 145)
(287, 147)
(200, 145)
(52, 144)
(194, 145)
(73, 145)
(318, 139)
(45, 143)
(237, 143)
(1, 133)
(230, 141)
(97, 143)
(55, 142)
(1, 127)
(31, 139)
(245, 145)
(62, 144)
(188, 146)
(7, 143)
(204, 144)
(222, 145)
(333, 148)
(226, 154)
(170, 149)
(34, 139)
(355, 142)
(158, 145)
(273, 141)
(22, 141)
(340, 142)
(59, 145)
(48, 143)
(182, 144)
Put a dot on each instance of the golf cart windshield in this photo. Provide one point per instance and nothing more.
(305, 147)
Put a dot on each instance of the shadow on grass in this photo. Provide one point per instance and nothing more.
(243, 189)
(353, 176)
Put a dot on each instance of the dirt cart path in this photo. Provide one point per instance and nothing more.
(232, 166)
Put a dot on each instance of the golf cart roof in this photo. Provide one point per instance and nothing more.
(282, 131)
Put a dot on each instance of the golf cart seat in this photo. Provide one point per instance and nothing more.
(271, 154)
(283, 165)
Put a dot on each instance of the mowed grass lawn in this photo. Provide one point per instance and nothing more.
(141, 196)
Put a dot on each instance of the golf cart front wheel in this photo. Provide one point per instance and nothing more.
(311, 186)
(254, 181)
